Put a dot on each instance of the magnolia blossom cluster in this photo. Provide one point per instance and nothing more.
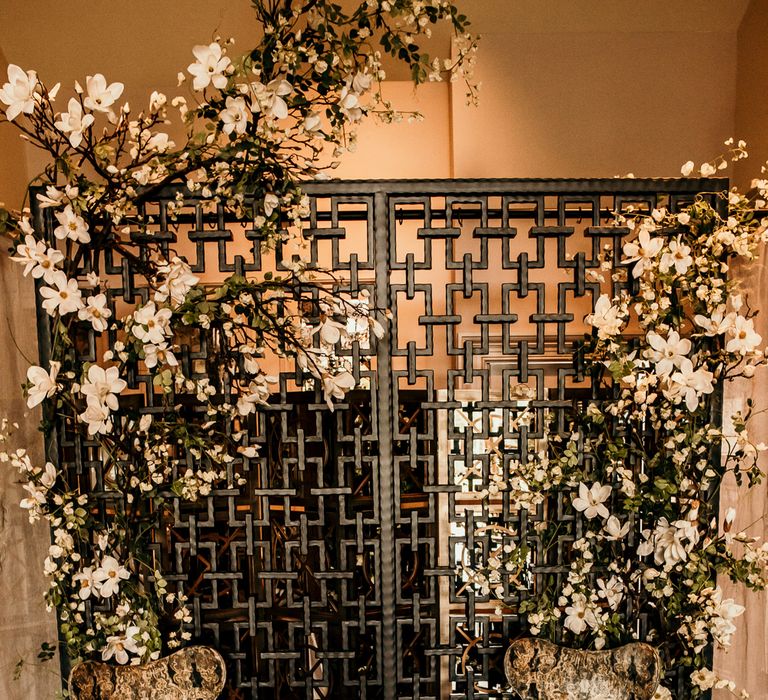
(495, 474)
(669, 327)
(504, 563)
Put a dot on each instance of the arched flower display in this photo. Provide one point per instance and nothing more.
(255, 126)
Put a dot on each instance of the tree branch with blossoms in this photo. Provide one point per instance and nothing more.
(255, 128)
(643, 465)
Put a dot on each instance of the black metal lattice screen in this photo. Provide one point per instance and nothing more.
(335, 572)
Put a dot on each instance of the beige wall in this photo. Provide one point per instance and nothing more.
(419, 149)
(589, 104)
(752, 78)
(578, 88)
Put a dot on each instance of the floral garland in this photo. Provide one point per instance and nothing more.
(256, 127)
(645, 454)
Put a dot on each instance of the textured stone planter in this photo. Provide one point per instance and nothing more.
(537, 669)
(195, 673)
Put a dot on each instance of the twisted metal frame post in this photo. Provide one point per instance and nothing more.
(333, 573)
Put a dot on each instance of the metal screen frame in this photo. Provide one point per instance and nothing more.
(390, 641)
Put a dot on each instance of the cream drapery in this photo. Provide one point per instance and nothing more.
(24, 622)
(746, 662)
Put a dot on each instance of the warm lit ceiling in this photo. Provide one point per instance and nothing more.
(146, 42)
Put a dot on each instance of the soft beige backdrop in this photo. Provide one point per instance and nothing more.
(24, 623)
(576, 88)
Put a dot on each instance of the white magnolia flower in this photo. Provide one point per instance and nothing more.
(704, 679)
(258, 395)
(74, 122)
(312, 122)
(716, 324)
(236, 115)
(612, 591)
(120, 646)
(678, 255)
(160, 142)
(687, 168)
(336, 386)
(662, 693)
(71, 225)
(157, 100)
(145, 174)
(49, 475)
(642, 251)
(210, 67)
(606, 317)
(151, 324)
(38, 259)
(349, 97)
(590, 500)
(349, 103)
(102, 540)
(614, 530)
(376, 327)
(670, 542)
(92, 280)
(658, 214)
(18, 94)
(177, 280)
(271, 202)
(275, 105)
(742, 336)
(97, 417)
(55, 198)
(50, 566)
(579, 615)
(668, 352)
(361, 82)
(159, 354)
(250, 363)
(26, 226)
(63, 296)
(690, 384)
(37, 497)
(109, 575)
(33, 502)
(331, 331)
(103, 386)
(87, 584)
(101, 96)
(43, 383)
(724, 612)
(96, 311)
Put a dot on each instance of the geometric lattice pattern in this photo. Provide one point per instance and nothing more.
(336, 572)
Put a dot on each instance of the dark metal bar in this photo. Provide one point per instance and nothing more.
(51, 440)
(624, 186)
(385, 463)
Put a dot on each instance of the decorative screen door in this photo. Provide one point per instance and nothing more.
(339, 570)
